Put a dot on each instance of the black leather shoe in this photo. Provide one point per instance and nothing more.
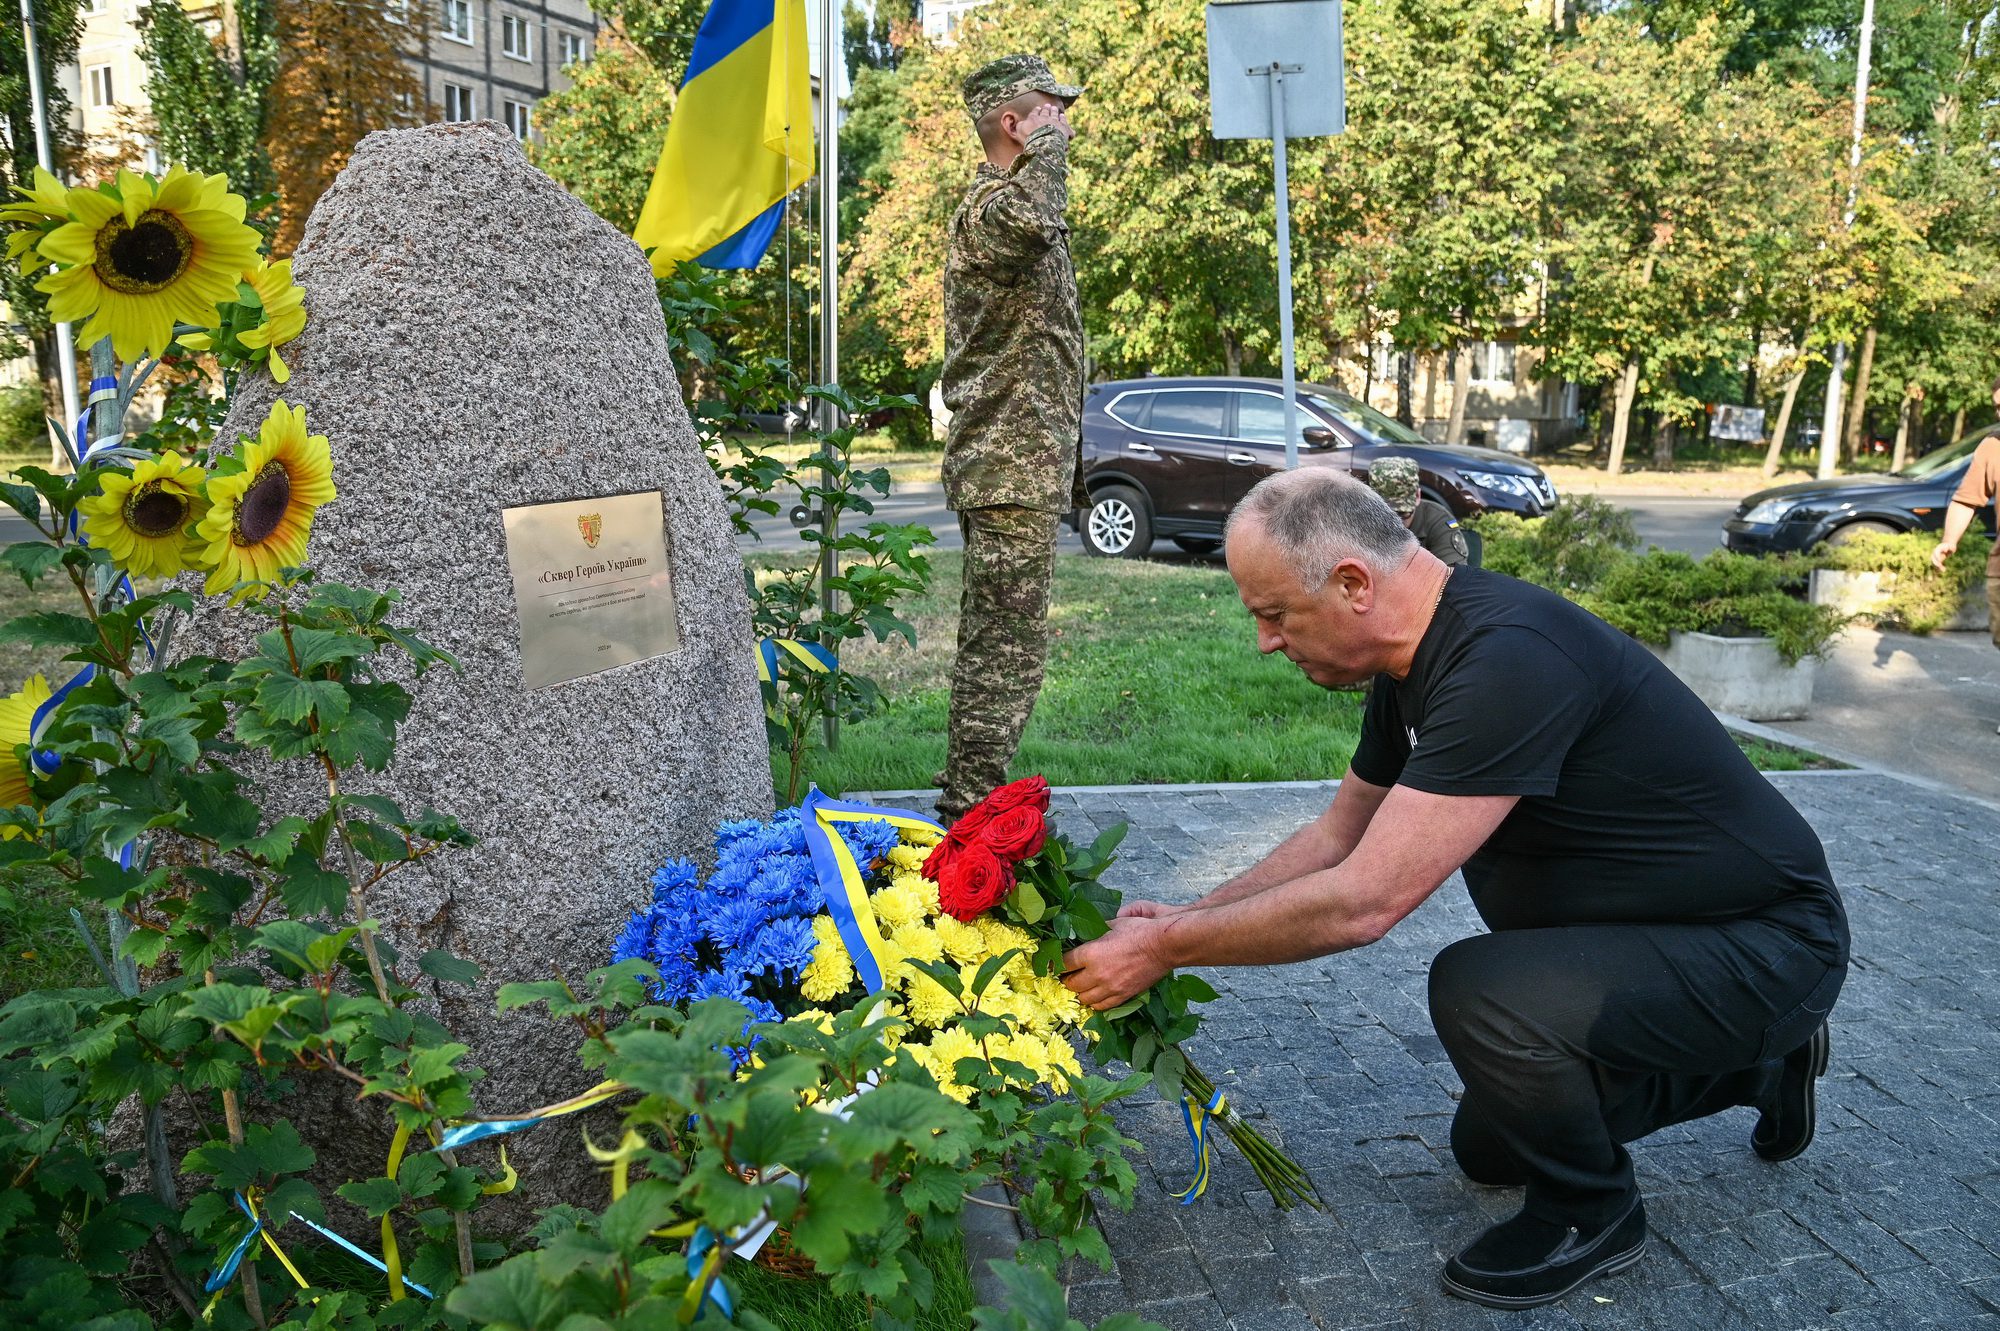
(1786, 1128)
(1526, 1262)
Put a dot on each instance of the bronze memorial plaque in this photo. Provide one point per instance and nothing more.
(591, 585)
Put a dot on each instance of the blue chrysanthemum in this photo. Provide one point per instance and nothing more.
(783, 948)
(635, 940)
(734, 924)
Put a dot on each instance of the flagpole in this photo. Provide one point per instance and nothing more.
(39, 111)
(829, 283)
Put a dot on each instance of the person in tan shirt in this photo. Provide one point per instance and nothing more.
(1976, 491)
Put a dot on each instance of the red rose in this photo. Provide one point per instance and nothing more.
(967, 827)
(940, 857)
(1016, 834)
(1029, 791)
(972, 882)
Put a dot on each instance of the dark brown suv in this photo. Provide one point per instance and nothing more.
(1172, 456)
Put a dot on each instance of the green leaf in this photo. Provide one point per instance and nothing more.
(442, 966)
(376, 1196)
(31, 559)
(307, 889)
(1027, 903)
(315, 648)
(421, 1175)
(48, 628)
(275, 845)
(278, 1148)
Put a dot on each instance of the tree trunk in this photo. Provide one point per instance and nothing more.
(1775, 453)
(1430, 388)
(1750, 368)
(1957, 426)
(1403, 372)
(1232, 355)
(1901, 455)
(1665, 431)
(1621, 416)
(1857, 411)
(1461, 376)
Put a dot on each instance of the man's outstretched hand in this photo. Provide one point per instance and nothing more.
(1148, 910)
(1123, 964)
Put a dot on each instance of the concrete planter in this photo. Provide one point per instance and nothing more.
(1867, 594)
(1742, 676)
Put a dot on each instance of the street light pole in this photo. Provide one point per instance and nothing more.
(39, 107)
(829, 289)
(1829, 430)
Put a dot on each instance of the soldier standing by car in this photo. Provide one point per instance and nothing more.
(1976, 491)
(1013, 382)
(1436, 530)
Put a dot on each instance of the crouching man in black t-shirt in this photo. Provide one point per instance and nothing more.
(1666, 940)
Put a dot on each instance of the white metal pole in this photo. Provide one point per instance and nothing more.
(1277, 72)
(829, 285)
(1829, 429)
(65, 339)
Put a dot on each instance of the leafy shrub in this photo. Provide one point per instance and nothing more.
(1568, 550)
(1921, 599)
(1654, 595)
(24, 430)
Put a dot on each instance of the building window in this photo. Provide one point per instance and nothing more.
(458, 21)
(574, 49)
(457, 102)
(95, 6)
(1493, 362)
(516, 116)
(515, 40)
(100, 85)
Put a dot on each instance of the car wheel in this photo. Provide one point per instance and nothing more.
(1198, 545)
(1117, 526)
(1864, 527)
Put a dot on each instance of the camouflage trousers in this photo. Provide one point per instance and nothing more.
(1003, 644)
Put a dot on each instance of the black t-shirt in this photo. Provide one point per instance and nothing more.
(1636, 805)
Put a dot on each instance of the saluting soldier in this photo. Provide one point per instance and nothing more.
(1013, 382)
(1436, 530)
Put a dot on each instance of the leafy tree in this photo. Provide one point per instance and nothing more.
(874, 33)
(208, 95)
(663, 29)
(344, 71)
(601, 137)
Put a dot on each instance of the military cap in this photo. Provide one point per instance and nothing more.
(1395, 479)
(1009, 77)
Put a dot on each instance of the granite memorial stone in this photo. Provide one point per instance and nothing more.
(479, 341)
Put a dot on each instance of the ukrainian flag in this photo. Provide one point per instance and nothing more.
(740, 140)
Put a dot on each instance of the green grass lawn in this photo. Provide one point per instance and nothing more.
(1154, 676)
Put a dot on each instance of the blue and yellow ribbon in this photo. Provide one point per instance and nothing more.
(478, 1130)
(840, 878)
(224, 1274)
(1195, 1117)
(808, 654)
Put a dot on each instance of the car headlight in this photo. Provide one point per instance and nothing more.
(1518, 486)
(1771, 511)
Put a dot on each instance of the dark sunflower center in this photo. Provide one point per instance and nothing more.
(153, 510)
(148, 256)
(263, 505)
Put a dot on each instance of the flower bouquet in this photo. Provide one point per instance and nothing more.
(1001, 861)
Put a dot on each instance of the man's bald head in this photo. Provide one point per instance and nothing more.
(1315, 517)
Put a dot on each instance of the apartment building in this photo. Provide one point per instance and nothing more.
(483, 60)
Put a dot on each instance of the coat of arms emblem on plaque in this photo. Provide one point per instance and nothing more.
(592, 527)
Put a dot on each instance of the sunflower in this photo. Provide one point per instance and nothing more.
(141, 518)
(261, 513)
(284, 313)
(17, 719)
(39, 211)
(145, 254)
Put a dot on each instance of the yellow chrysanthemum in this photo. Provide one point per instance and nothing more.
(907, 858)
(260, 517)
(145, 255)
(1030, 1013)
(1001, 937)
(897, 905)
(964, 944)
(1061, 1001)
(919, 941)
(284, 313)
(1062, 1065)
(921, 836)
(141, 517)
(930, 1003)
(17, 717)
(926, 891)
(830, 973)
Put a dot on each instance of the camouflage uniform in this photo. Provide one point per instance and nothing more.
(1395, 479)
(1013, 382)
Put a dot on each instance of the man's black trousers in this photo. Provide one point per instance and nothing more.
(1572, 1041)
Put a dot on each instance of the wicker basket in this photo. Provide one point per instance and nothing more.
(780, 1257)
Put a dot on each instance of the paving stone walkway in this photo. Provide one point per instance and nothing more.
(1891, 1220)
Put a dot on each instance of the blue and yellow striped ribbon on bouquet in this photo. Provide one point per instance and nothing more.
(840, 878)
(1195, 1117)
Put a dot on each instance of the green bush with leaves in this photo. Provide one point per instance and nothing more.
(1661, 592)
(1569, 549)
(1922, 599)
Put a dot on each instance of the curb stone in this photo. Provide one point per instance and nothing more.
(991, 1234)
